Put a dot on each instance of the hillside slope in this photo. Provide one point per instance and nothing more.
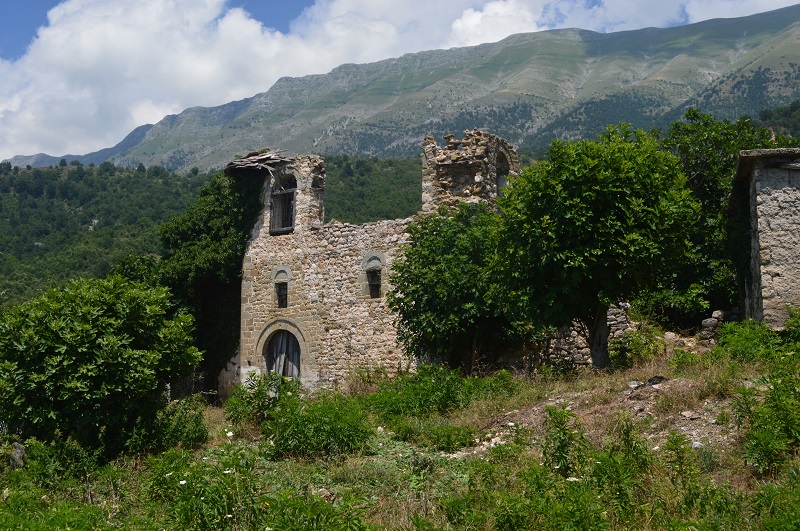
(528, 88)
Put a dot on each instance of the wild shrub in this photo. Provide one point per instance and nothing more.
(680, 460)
(564, 445)
(435, 389)
(219, 491)
(770, 417)
(749, 341)
(252, 402)
(437, 433)
(290, 512)
(683, 361)
(431, 389)
(56, 462)
(181, 423)
(635, 348)
(91, 361)
(328, 424)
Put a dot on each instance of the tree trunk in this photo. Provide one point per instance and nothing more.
(598, 337)
(476, 350)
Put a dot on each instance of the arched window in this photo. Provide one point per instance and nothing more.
(281, 219)
(502, 168)
(372, 276)
(281, 276)
(283, 354)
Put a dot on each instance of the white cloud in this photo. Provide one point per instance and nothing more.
(102, 67)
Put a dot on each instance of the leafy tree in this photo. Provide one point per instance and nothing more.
(203, 264)
(709, 152)
(595, 224)
(91, 361)
(442, 283)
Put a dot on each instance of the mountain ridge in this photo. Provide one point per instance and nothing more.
(529, 88)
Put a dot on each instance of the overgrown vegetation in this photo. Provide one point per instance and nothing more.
(91, 362)
(554, 454)
(84, 369)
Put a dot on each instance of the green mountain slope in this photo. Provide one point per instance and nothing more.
(528, 88)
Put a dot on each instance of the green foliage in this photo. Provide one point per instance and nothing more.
(205, 247)
(434, 389)
(437, 433)
(770, 416)
(252, 402)
(66, 222)
(442, 283)
(358, 190)
(636, 347)
(709, 151)
(748, 341)
(91, 361)
(598, 222)
(784, 120)
(564, 444)
(328, 424)
(181, 423)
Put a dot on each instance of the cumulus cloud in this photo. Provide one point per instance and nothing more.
(100, 68)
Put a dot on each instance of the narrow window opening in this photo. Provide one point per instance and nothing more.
(374, 281)
(282, 209)
(282, 294)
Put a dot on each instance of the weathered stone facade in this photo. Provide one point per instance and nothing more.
(767, 197)
(325, 284)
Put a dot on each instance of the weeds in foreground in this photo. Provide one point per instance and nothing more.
(322, 462)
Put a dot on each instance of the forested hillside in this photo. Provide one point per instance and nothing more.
(72, 220)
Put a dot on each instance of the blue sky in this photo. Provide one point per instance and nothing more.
(78, 75)
(23, 17)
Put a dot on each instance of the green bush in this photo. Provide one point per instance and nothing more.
(328, 424)
(182, 423)
(770, 417)
(564, 445)
(252, 402)
(435, 389)
(749, 341)
(439, 434)
(91, 361)
(635, 347)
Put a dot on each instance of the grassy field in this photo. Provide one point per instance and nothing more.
(690, 436)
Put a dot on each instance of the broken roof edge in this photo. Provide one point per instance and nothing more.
(256, 160)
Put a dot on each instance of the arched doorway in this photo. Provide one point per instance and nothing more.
(283, 354)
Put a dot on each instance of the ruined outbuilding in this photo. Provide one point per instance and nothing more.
(313, 294)
(766, 203)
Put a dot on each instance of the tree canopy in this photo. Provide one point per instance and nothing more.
(594, 224)
(709, 151)
(443, 281)
(91, 361)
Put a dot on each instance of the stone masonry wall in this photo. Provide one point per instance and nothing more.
(777, 191)
(338, 325)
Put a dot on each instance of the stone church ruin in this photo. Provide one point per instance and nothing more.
(313, 294)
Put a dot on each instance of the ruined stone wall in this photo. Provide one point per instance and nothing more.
(776, 185)
(330, 311)
(469, 170)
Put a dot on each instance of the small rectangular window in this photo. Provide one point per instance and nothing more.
(282, 294)
(374, 281)
(282, 215)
